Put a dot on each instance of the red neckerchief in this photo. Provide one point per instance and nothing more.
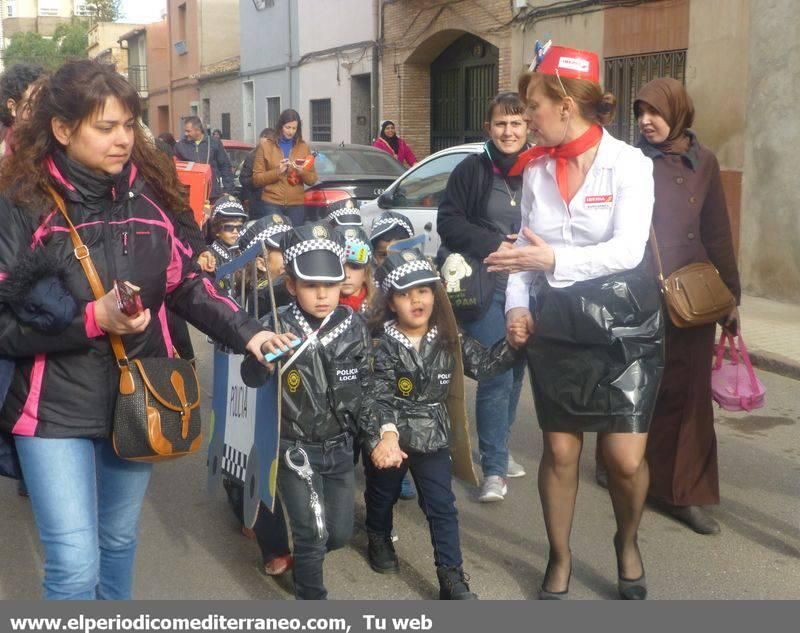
(354, 300)
(561, 153)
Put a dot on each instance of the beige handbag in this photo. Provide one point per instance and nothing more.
(695, 294)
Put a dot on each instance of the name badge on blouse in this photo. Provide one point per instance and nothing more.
(598, 202)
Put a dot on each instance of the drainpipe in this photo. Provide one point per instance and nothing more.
(170, 48)
(289, 60)
(375, 76)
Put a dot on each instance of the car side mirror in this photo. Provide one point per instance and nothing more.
(385, 200)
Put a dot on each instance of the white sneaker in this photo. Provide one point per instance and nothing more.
(514, 469)
(493, 488)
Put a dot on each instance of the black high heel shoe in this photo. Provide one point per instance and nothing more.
(630, 589)
(544, 594)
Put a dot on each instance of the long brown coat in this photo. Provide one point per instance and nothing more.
(276, 186)
(691, 223)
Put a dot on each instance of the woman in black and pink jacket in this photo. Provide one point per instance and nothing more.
(83, 139)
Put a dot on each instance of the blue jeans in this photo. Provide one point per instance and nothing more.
(497, 398)
(432, 473)
(334, 483)
(86, 502)
(295, 212)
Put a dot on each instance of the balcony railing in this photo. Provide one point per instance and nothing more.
(137, 76)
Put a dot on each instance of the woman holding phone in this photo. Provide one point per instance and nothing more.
(83, 143)
(283, 166)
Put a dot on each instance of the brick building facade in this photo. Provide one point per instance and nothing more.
(415, 34)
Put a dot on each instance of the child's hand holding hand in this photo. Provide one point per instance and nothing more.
(388, 454)
(518, 332)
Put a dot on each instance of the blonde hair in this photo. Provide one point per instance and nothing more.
(594, 104)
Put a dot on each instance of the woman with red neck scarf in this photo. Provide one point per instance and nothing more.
(691, 224)
(596, 354)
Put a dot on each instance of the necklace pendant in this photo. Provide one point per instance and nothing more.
(513, 203)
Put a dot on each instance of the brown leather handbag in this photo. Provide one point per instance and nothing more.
(694, 294)
(157, 413)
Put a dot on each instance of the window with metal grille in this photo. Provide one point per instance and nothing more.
(626, 75)
(225, 117)
(273, 111)
(320, 119)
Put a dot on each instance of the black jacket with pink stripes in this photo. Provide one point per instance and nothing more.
(65, 385)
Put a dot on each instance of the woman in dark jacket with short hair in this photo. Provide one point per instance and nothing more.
(479, 209)
(691, 224)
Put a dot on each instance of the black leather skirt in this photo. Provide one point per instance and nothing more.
(597, 355)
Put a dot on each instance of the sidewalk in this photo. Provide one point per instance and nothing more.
(771, 331)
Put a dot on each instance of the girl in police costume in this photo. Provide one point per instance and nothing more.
(227, 224)
(358, 288)
(326, 384)
(414, 360)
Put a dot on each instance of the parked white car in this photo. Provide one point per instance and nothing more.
(417, 193)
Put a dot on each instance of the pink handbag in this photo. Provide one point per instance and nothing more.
(734, 385)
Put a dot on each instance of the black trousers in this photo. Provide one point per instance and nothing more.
(432, 473)
(333, 480)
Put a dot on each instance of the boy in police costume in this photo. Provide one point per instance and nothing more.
(326, 385)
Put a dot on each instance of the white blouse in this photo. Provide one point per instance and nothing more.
(604, 229)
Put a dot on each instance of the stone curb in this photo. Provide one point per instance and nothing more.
(775, 363)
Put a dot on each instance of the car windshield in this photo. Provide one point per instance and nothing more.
(354, 161)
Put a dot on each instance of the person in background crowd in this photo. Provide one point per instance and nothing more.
(391, 143)
(227, 224)
(413, 364)
(574, 375)
(269, 530)
(166, 143)
(217, 135)
(691, 223)
(325, 394)
(83, 140)
(251, 195)
(478, 215)
(15, 86)
(200, 148)
(358, 287)
(279, 168)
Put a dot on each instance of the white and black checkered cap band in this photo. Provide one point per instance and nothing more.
(293, 252)
(231, 208)
(268, 232)
(389, 224)
(352, 214)
(395, 278)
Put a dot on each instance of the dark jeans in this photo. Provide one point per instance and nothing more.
(432, 473)
(496, 398)
(270, 527)
(295, 212)
(334, 482)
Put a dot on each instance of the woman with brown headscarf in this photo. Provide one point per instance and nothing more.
(691, 223)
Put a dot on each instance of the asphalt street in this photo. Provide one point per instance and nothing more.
(191, 548)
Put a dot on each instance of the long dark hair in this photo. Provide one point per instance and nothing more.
(287, 116)
(74, 93)
(380, 313)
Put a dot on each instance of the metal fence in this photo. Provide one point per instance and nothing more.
(137, 76)
(626, 75)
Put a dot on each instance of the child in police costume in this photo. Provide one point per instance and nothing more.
(267, 231)
(326, 383)
(358, 288)
(269, 530)
(414, 361)
(227, 224)
(388, 227)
